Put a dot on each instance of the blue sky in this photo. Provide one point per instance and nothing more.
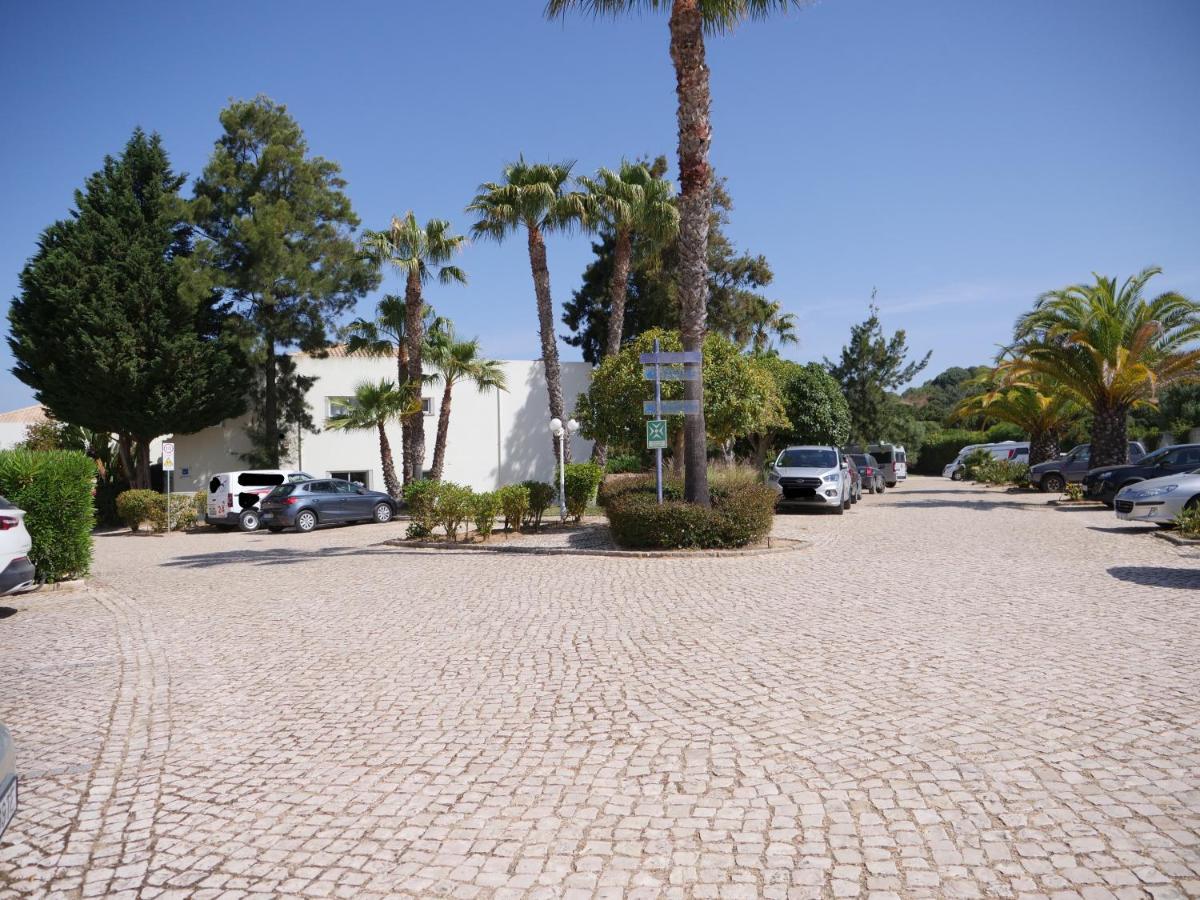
(959, 156)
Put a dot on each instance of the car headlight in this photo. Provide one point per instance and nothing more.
(833, 476)
(1150, 492)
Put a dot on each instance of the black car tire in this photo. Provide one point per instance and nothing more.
(306, 521)
(956, 475)
(383, 513)
(274, 529)
(879, 488)
(1053, 483)
(249, 520)
(846, 503)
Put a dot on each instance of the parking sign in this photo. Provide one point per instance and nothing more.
(168, 453)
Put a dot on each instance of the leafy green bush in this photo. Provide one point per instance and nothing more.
(200, 501)
(741, 514)
(183, 512)
(623, 465)
(541, 495)
(581, 479)
(1074, 490)
(1000, 471)
(514, 504)
(484, 509)
(55, 489)
(973, 462)
(1188, 522)
(1003, 431)
(941, 448)
(138, 506)
(455, 505)
(421, 497)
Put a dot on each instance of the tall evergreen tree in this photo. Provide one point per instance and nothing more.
(103, 332)
(279, 244)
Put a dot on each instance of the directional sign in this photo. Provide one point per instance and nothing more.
(672, 407)
(656, 434)
(168, 456)
(671, 373)
(691, 357)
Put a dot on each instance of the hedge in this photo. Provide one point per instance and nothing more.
(541, 495)
(581, 481)
(54, 487)
(514, 503)
(740, 514)
(941, 448)
(138, 507)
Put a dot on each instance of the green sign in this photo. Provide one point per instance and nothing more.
(656, 434)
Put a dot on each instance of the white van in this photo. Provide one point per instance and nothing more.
(893, 462)
(233, 497)
(1013, 451)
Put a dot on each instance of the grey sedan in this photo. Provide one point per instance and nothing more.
(324, 501)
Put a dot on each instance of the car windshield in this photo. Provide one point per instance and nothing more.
(1155, 457)
(282, 491)
(807, 458)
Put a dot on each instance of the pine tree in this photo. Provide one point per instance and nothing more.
(103, 330)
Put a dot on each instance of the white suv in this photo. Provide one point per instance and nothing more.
(812, 476)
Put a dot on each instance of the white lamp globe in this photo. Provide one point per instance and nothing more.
(572, 426)
(555, 425)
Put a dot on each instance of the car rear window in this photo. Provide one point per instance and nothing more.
(282, 490)
(884, 457)
(807, 459)
(260, 479)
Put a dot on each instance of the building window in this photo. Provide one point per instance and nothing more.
(427, 405)
(358, 477)
(339, 406)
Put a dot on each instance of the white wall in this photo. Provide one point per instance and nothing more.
(11, 434)
(493, 440)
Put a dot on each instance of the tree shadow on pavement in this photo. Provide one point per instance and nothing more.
(1124, 529)
(6, 611)
(1158, 576)
(276, 556)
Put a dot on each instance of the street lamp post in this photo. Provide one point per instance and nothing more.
(562, 433)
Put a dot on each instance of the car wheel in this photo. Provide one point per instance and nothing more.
(306, 520)
(1053, 483)
(249, 520)
(383, 512)
(956, 475)
(846, 503)
(274, 529)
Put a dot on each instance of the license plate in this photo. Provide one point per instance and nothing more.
(8, 804)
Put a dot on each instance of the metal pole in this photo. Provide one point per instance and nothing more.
(562, 476)
(168, 474)
(657, 415)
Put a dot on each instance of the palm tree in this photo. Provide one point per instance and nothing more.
(420, 252)
(533, 196)
(1033, 406)
(457, 361)
(1110, 349)
(376, 406)
(631, 203)
(688, 21)
(386, 335)
(765, 319)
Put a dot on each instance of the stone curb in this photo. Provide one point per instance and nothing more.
(69, 585)
(788, 545)
(1177, 540)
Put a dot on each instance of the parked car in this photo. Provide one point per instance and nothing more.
(868, 468)
(8, 780)
(234, 497)
(323, 501)
(1054, 475)
(812, 476)
(856, 486)
(16, 570)
(1159, 500)
(1012, 451)
(892, 460)
(1105, 482)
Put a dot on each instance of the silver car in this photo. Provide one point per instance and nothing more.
(1158, 500)
(812, 476)
(8, 780)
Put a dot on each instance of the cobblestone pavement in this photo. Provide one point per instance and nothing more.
(952, 692)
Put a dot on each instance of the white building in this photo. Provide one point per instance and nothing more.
(495, 438)
(14, 423)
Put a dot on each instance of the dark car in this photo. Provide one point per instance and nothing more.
(1104, 483)
(324, 501)
(869, 471)
(1055, 474)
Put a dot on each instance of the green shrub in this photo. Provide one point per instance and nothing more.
(581, 479)
(514, 504)
(727, 477)
(612, 488)
(421, 497)
(54, 487)
(1074, 490)
(973, 462)
(624, 465)
(541, 495)
(1188, 522)
(1000, 471)
(138, 506)
(200, 501)
(1001, 432)
(454, 506)
(941, 448)
(484, 509)
(741, 514)
(183, 512)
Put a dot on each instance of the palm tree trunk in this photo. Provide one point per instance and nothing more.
(1043, 445)
(401, 380)
(618, 288)
(695, 207)
(1110, 443)
(443, 430)
(545, 309)
(390, 481)
(414, 326)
